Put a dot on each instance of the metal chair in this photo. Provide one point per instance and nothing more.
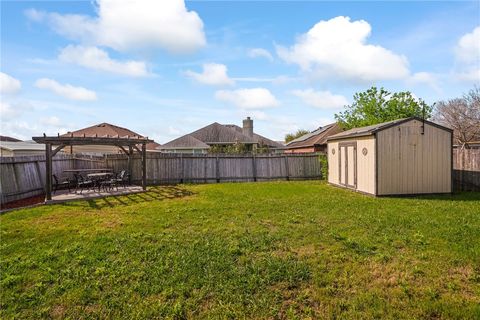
(122, 179)
(83, 183)
(59, 184)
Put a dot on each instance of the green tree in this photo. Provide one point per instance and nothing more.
(378, 105)
(292, 136)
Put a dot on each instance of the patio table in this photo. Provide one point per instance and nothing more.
(99, 177)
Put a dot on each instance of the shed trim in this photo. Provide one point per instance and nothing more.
(381, 127)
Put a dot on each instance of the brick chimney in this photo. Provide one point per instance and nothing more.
(248, 127)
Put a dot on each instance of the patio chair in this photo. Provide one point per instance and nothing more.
(121, 179)
(60, 184)
(109, 184)
(83, 183)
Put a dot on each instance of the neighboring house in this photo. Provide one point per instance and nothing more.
(10, 139)
(104, 130)
(400, 157)
(315, 141)
(21, 148)
(221, 135)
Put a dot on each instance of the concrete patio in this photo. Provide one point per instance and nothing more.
(64, 195)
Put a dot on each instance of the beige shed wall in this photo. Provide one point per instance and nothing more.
(365, 163)
(412, 163)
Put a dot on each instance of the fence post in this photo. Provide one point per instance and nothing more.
(182, 166)
(48, 175)
(286, 168)
(217, 169)
(205, 169)
(254, 163)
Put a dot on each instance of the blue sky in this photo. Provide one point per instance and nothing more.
(164, 69)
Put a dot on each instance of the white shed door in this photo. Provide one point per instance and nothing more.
(348, 164)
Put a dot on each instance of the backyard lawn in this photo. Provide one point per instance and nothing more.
(245, 250)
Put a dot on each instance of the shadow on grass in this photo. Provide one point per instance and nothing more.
(157, 193)
(456, 196)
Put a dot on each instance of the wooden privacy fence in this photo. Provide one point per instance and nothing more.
(466, 164)
(187, 168)
(24, 177)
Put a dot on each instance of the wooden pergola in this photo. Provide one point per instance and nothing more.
(127, 144)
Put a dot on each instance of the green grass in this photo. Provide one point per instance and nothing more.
(252, 250)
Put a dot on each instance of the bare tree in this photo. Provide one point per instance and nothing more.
(462, 115)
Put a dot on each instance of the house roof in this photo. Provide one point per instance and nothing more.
(21, 145)
(185, 142)
(109, 130)
(369, 130)
(5, 138)
(316, 137)
(256, 137)
(217, 133)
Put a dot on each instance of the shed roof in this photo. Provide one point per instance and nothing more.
(316, 137)
(369, 130)
(185, 142)
(21, 145)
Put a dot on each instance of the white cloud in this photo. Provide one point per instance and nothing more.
(212, 74)
(260, 52)
(7, 112)
(51, 121)
(255, 98)
(424, 78)
(98, 59)
(321, 99)
(66, 90)
(338, 48)
(132, 25)
(8, 84)
(467, 54)
(12, 110)
(278, 80)
(468, 47)
(35, 15)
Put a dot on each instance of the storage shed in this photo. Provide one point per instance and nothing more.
(401, 157)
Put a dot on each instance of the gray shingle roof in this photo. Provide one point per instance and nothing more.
(217, 133)
(258, 138)
(185, 142)
(316, 137)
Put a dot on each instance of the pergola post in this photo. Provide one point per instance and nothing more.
(48, 169)
(144, 166)
(130, 164)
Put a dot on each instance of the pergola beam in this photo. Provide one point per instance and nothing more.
(57, 149)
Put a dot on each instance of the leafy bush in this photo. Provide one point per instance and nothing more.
(324, 165)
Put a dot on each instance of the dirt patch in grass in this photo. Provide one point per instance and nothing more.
(58, 311)
(305, 251)
(23, 202)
